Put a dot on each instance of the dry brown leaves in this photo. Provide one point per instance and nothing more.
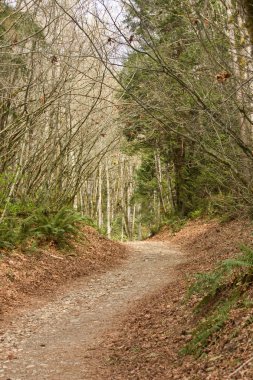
(156, 329)
(23, 275)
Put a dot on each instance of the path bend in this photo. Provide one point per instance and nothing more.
(59, 340)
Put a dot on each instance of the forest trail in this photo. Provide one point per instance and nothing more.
(60, 339)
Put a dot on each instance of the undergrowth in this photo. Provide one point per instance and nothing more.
(219, 291)
(177, 223)
(40, 226)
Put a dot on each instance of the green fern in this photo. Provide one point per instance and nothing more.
(8, 233)
(41, 226)
(209, 283)
(57, 227)
(245, 260)
(209, 326)
(206, 283)
(220, 290)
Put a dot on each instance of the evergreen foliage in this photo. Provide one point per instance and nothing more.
(174, 106)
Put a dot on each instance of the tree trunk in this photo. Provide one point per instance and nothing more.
(179, 161)
(109, 230)
(99, 204)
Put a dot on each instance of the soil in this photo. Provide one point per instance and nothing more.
(27, 275)
(60, 339)
(127, 318)
(154, 332)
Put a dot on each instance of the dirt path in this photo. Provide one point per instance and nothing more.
(59, 340)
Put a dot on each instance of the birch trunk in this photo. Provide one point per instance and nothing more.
(99, 204)
(108, 201)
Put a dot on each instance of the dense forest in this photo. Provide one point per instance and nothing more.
(128, 114)
(126, 121)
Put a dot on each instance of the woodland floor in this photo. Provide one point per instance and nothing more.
(59, 339)
(157, 328)
(124, 321)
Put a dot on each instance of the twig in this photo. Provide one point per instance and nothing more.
(239, 368)
(55, 257)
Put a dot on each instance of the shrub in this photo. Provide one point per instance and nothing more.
(40, 226)
(58, 227)
(9, 234)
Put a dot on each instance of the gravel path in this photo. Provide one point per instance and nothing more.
(59, 340)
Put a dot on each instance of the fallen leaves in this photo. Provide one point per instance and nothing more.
(223, 76)
(40, 274)
(161, 324)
